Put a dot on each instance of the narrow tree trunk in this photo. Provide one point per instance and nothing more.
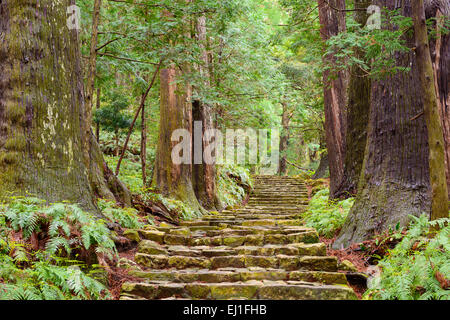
(144, 145)
(116, 136)
(204, 174)
(439, 198)
(103, 181)
(395, 181)
(97, 125)
(335, 94)
(324, 166)
(357, 118)
(284, 141)
(41, 104)
(141, 107)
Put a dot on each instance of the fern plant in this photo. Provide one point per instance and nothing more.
(232, 183)
(68, 226)
(46, 281)
(48, 273)
(418, 268)
(326, 216)
(125, 217)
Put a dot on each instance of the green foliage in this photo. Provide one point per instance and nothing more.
(232, 184)
(417, 267)
(130, 173)
(112, 117)
(125, 217)
(66, 225)
(327, 216)
(48, 272)
(43, 280)
(377, 48)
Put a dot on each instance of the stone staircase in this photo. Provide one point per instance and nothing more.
(261, 251)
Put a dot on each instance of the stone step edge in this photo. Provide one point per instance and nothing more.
(285, 262)
(248, 290)
(300, 249)
(238, 275)
(228, 240)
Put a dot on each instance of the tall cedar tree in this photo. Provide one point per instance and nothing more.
(395, 179)
(357, 117)
(332, 20)
(440, 55)
(41, 100)
(204, 175)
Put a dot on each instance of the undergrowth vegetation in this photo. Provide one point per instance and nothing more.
(130, 173)
(414, 262)
(39, 247)
(57, 251)
(325, 215)
(419, 266)
(233, 183)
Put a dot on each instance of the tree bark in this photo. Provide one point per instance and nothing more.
(439, 198)
(335, 94)
(204, 174)
(440, 53)
(103, 182)
(174, 180)
(41, 105)
(395, 181)
(90, 83)
(357, 118)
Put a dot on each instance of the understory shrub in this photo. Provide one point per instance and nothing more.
(418, 268)
(325, 215)
(233, 182)
(125, 217)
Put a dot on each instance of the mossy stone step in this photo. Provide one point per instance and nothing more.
(250, 216)
(274, 202)
(231, 240)
(237, 228)
(271, 211)
(239, 274)
(264, 290)
(297, 249)
(285, 262)
(292, 195)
